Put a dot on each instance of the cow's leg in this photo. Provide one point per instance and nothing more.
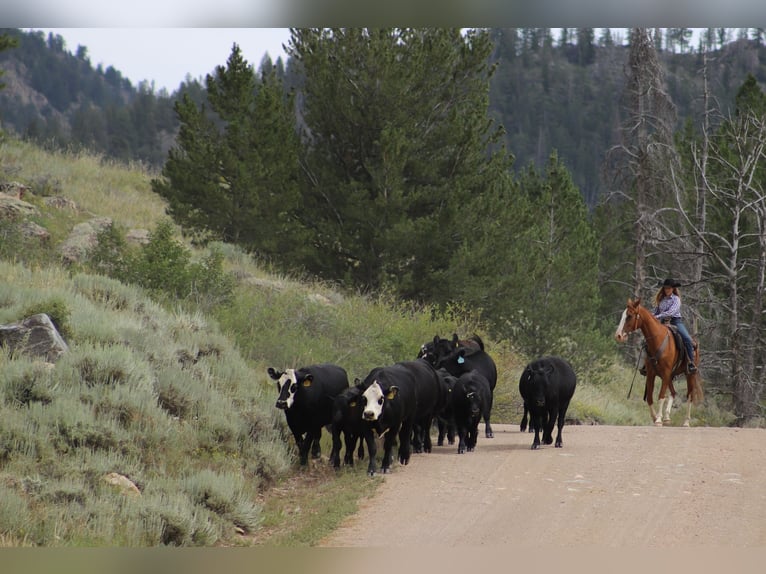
(316, 448)
(488, 427)
(523, 425)
(360, 450)
(405, 432)
(417, 438)
(441, 425)
(473, 435)
(461, 438)
(388, 447)
(537, 422)
(336, 446)
(550, 422)
(348, 457)
(427, 445)
(372, 451)
(562, 416)
(303, 443)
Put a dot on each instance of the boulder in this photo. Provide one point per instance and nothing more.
(13, 208)
(82, 239)
(36, 336)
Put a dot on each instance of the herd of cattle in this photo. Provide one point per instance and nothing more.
(451, 382)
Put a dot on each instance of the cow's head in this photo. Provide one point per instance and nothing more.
(287, 386)
(374, 400)
(536, 377)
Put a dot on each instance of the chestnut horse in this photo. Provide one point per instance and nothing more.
(663, 360)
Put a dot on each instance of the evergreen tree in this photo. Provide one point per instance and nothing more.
(531, 266)
(399, 134)
(233, 174)
(7, 42)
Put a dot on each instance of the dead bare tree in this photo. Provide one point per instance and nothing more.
(729, 170)
(639, 165)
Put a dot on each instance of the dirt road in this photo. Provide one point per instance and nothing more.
(608, 487)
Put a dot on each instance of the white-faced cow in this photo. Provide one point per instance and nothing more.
(347, 423)
(306, 395)
(471, 399)
(397, 398)
(466, 359)
(547, 386)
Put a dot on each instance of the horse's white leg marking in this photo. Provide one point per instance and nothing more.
(688, 413)
(668, 407)
(660, 409)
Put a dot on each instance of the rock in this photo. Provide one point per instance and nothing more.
(139, 236)
(13, 208)
(14, 189)
(83, 238)
(32, 230)
(36, 335)
(60, 202)
(126, 485)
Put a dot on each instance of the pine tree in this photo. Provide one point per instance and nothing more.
(233, 175)
(399, 134)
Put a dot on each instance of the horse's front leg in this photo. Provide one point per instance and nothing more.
(658, 415)
(648, 395)
(666, 403)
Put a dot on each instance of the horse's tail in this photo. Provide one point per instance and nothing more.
(694, 392)
(694, 383)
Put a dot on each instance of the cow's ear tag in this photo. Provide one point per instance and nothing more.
(390, 395)
(306, 383)
(460, 360)
(352, 404)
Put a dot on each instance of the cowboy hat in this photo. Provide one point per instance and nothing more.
(670, 283)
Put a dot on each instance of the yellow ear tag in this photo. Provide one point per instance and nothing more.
(352, 404)
(390, 395)
(306, 383)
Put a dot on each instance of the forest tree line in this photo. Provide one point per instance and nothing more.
(382, 160)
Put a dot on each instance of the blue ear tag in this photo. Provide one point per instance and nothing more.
(460, 360)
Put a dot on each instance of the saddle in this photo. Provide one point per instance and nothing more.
(679, 345)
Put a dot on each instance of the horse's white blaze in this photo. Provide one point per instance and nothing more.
(618, 334)
(288, 378)
(374, 407)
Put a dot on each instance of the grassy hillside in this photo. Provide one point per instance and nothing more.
(175, 397)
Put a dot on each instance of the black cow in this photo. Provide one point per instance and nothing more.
(467, 359)
(434, 351)
(547, 385)
(398, 398)
(347, 422)
(472, 399)
(306, 395)
(445, 416)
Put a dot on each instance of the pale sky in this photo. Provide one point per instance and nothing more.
(167, 55)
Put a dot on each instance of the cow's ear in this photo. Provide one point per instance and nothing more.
(274, 374)
(392, 392)
(455, 340)
(307, 380)
(436, 340)
(357, 381)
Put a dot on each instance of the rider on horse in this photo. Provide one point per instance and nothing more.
(667, 308)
